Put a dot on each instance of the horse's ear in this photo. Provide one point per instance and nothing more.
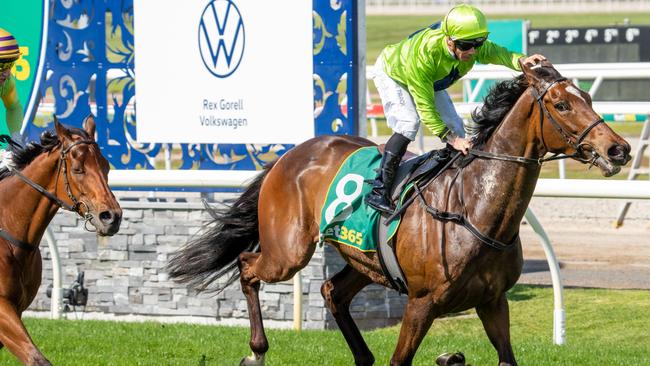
(89, 125)
(61, 131)
(529, 72)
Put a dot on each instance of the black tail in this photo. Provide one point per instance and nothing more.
(233, 231)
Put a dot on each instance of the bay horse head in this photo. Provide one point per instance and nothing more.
(83, 176)
(569, 125)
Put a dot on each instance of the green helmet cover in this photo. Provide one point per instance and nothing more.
(465, 22)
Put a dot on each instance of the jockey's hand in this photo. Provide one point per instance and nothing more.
(461, 144)
(533, 60)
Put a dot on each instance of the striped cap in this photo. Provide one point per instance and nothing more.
(8, 47)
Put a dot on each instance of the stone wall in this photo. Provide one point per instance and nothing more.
(125, 274)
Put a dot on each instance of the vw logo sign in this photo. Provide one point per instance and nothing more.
(221, 37)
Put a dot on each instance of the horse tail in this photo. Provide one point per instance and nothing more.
(233, 230)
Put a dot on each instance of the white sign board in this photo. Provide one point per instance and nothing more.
(224, 71)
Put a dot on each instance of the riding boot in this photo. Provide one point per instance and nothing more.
(379, 197)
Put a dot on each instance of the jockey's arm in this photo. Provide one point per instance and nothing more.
(12, 105)
(492, 53)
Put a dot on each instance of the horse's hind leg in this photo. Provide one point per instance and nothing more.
(250, 286)
(496, 321)
(255, 267)
(338, 292)
(14, 335)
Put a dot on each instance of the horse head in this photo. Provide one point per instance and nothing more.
(83, 175)
(569, 124)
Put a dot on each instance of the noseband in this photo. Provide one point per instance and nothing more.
(575, 142)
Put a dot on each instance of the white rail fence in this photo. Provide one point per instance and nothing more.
(577, 72)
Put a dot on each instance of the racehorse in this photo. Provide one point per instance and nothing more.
(272, 229)
(65, 170)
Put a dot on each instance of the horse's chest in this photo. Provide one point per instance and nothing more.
(22, 281)
(481, 277)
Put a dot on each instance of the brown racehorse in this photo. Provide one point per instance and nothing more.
(272, 230)
(64, 170)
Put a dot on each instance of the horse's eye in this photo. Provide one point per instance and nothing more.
(562, 107)
(78, 171)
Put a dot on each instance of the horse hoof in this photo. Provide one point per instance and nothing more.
(252, 360)
(451, 359)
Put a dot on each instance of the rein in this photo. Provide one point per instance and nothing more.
(75, 207)
(575, 142)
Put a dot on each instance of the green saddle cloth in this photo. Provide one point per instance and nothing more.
(346, 219)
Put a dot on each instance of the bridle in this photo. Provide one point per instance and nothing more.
(62, 166)
(576, 142)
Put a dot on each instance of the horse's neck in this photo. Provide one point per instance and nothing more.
(26, 212)
(507, 186)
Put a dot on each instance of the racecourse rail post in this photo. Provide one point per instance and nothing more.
(297, 301)
(56, 307)
(559, 315)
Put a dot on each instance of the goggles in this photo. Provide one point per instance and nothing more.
(466, 45)
(6, 66)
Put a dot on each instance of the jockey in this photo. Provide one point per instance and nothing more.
(9, 53)
(411, 78)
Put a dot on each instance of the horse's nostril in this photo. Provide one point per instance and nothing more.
(617, 153)
(106, 217)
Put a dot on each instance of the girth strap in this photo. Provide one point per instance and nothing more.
(462, 220)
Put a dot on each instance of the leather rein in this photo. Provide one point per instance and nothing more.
(75, 207)
(576, 143)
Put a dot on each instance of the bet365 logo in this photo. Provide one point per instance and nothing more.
(221, 37)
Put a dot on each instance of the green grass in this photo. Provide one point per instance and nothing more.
(604, 327)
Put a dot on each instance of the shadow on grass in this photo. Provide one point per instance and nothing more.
(522, 292)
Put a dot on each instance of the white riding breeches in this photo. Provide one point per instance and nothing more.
(399, 108)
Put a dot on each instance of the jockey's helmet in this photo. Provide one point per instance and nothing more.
(9, 50)
(465, 22)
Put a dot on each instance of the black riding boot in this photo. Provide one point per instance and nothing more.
(379, 197)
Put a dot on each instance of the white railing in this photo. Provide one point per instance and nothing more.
(596, 72)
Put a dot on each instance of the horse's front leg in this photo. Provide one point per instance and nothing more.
(496, 321)
(14, 336)
(416, 321)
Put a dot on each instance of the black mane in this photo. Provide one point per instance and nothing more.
(500, 99)
(22, 156)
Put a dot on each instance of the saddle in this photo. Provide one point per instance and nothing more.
(413, 169)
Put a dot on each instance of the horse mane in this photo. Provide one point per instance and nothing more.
(501, 98)
(22, 156)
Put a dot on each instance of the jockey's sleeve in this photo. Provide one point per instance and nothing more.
(12, 104)
(420, 79)
(492, 53)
